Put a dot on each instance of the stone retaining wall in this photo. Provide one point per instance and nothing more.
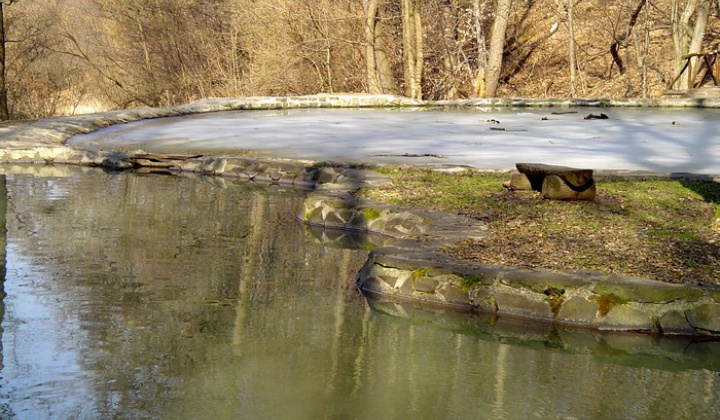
(572, 298)
(411, 268)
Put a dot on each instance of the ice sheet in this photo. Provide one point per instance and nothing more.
(633, 139)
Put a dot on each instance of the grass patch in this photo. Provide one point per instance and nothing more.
(665, 230)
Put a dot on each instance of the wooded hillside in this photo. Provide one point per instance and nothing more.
(63, 57)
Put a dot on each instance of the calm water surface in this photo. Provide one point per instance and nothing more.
(132, 296)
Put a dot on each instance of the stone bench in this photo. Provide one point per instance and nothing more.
(554, 182)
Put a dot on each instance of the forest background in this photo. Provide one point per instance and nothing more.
(60, 57)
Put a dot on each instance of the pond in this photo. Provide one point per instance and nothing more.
(647, 139)
(148, 296)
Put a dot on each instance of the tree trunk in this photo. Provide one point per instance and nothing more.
(373, 78)
(681, 30)
(412, 48)
(572, 55)
(380, 78)
(449, 60)
(701, 18)
(497, 46)
(419, 51)
(481, 51)
(646, 52)
(4, 109)
(621, 41)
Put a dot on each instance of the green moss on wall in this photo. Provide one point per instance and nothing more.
(371, 214)
(467, 283)
(420, 272)
(607, 302)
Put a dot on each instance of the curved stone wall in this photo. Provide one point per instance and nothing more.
(580, 299)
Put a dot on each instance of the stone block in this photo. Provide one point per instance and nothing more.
(623, 317)
(339, 218)
(450, 293)
(377, 285)
(539, 281)
(705, 318)
(190, 165)
(646, 291)
(675, 322)
(425, 285)
(275, 175)
(577, 311)
(513, 302)
(314, 216)
(404, 282)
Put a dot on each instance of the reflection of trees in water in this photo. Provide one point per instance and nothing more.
(3, 256)
(388, 368)
(162, 269)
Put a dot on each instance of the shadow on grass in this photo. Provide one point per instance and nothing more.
(699, 253)
(706, 187)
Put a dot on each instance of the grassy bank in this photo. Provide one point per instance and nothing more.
(667, 230)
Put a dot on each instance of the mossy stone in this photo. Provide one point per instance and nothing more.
(375, 284)
(675, 322)
(539, 281)
(626, 318)
(577, 311)
(450, 293)
(371, 214)
(314, 216)
(705, 317)
(516, 303)
(425, 285)
(649, 292)
(339, 218)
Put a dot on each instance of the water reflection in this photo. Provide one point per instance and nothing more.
(167, 297)
(5, 410)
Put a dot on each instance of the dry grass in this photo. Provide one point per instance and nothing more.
(663, 230)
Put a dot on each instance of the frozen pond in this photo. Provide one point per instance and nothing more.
(662, 140)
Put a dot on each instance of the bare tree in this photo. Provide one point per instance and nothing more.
(497, 46)
(4, 109)
(490, 59)
(620, 41)
(572, 51)
(380, 78)
(413, 53)
(480, 81)
(688, 37)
